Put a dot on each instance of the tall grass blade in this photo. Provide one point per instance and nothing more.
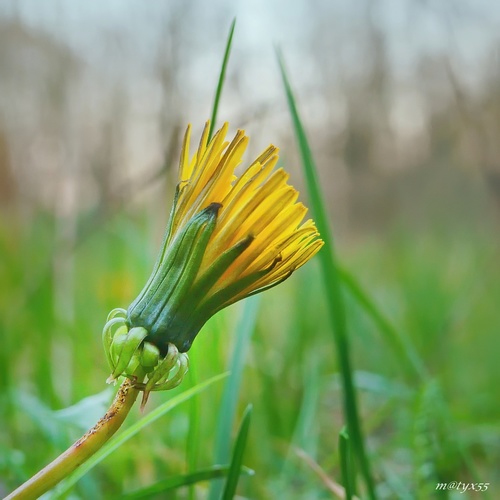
(222, 76)
(117, 441)
(230, 396)
(332, 287)
(305, 434)
(194, 409)
(410, 360)
(347, 466)
(237, 459)
(400, 345)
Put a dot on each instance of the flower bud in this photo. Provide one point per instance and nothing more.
(228, 237)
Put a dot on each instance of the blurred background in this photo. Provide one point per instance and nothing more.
(401, 100)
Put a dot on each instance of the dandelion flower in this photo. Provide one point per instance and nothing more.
(228, 237)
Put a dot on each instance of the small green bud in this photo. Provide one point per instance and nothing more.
(150, 355)
(123, 348)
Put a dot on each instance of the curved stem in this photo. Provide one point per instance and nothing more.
(82, 449)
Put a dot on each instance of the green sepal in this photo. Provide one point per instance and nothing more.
(123, 349)
(187, 270)
(107, 335)
(227, 296)
(185, 314)
(163, 249)
(173, 279)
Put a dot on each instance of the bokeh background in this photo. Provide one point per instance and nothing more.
(401, 101)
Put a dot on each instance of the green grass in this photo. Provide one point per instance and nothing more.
(440, 293)
(412, 361)
(332, 289)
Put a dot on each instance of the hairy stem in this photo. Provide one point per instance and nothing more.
(82, 449)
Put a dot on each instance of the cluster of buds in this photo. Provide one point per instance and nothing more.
(129, 354)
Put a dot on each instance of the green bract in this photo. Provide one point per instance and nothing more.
(165, 307)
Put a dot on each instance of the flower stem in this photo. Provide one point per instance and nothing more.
(82, 449)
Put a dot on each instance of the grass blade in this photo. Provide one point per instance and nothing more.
(401, 345)
(239, 450)
(214, 472)
(347, 466)
(230, 396)
(305, 434)
(332, 287)
(222, 76)
(117, 441)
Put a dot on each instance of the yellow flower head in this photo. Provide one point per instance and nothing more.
(228, 237)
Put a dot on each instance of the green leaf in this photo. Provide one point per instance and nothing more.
(236, 461)
(332, 286)
(230, 396)
(114, 443)
(217, 471)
